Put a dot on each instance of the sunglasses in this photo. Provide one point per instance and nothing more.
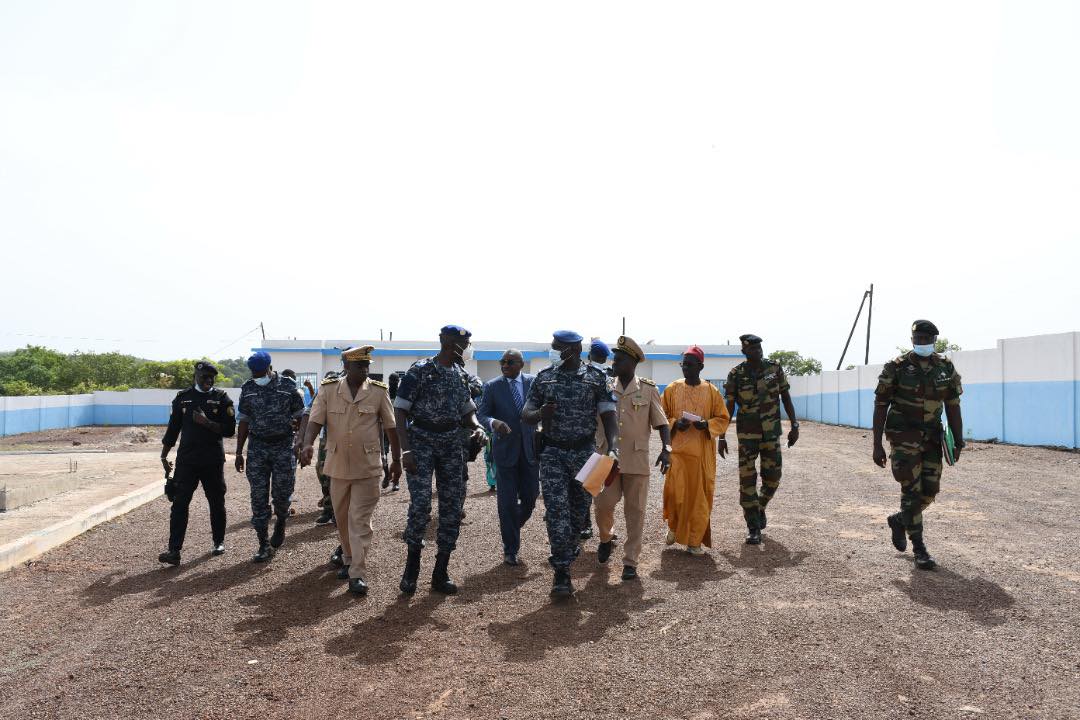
(508, 362)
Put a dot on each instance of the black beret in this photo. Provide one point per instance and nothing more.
(204, 366)
(749, 339)
(924, 326)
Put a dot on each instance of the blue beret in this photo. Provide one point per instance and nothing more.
(566, 336)
(599, 345)
(258, 361)
(455, 330)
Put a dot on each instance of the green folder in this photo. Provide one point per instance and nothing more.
(948, 444)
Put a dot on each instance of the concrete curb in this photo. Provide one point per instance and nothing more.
(41, 541)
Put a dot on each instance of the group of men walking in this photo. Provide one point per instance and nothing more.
(544, 428)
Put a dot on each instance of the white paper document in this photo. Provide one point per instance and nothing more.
(690, 416)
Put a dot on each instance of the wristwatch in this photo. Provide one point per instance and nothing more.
(795, 425)
(667, 448)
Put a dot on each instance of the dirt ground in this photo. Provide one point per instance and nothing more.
(90, 438)
(824, 620)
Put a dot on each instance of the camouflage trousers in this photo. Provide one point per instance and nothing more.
(771, 464)
(566, 502)
(324, 479)
(271, 471)
(917, 467)
(441, 455)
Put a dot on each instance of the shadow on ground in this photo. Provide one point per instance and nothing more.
(688, 572)
(170, 584)
(765, 559)
(983, 600)
(587, 617)
(303, 601)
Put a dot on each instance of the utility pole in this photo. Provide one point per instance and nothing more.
(869, 318)
(866, 294)
(262, 330)
(624, 325)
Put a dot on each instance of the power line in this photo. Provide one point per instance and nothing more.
(226, 347)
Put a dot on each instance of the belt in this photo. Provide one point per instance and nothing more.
(271, 438)
(581, 443)
(434, 426)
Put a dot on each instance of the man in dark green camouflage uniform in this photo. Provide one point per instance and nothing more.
(911, 393)
(758, 386)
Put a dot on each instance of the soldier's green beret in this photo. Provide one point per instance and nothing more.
(924, 326)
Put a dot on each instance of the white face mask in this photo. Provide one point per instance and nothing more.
(201, 390)
(924, 350)
(602, 367)
(262, 381)
(556, 357)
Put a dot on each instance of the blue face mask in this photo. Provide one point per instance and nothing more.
(924, 350)
(262, 381)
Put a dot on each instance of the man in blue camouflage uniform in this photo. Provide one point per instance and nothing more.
(269, 408)
(472, 444)
(567, 397)
(433, 401)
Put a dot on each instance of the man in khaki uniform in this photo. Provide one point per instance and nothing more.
(356, 411)
(638, 412)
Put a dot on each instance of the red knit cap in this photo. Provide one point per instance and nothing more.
(696, 352)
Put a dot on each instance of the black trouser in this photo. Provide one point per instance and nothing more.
(187, 478)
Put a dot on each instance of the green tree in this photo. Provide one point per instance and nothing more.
(794, 363)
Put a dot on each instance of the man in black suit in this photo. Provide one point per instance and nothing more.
(517, 474)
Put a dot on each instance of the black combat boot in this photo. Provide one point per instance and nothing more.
(326, 516)
(899, 539)
(265, 551)
(336, 557)
(279, 531)
(561, 587)
(440, 578)
(923, 561)
(763, 521)
(170, 557)
(753, 525)
(412, 571)
(343, 572)
(603, 551)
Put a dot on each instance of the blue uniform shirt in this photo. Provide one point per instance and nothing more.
(270, 409)
(435, 394)
(580, 395)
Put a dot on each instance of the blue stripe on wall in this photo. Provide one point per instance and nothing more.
(1021, 413)
(1040, 413)
(982, 405)
(112, 415)
(848, 401)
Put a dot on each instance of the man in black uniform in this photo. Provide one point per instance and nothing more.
(201, 416)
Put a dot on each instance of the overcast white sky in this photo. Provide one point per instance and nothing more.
(172, 173)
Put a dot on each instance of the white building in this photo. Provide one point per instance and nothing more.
(313, 358)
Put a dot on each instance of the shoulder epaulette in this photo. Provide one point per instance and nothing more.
(331, 380)
(179, 393)
(378, 383)
(647, 381)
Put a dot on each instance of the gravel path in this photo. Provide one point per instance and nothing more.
(824, 620)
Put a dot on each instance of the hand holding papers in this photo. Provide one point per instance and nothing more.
(598, 471)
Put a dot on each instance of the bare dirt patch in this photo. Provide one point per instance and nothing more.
(824, 620)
